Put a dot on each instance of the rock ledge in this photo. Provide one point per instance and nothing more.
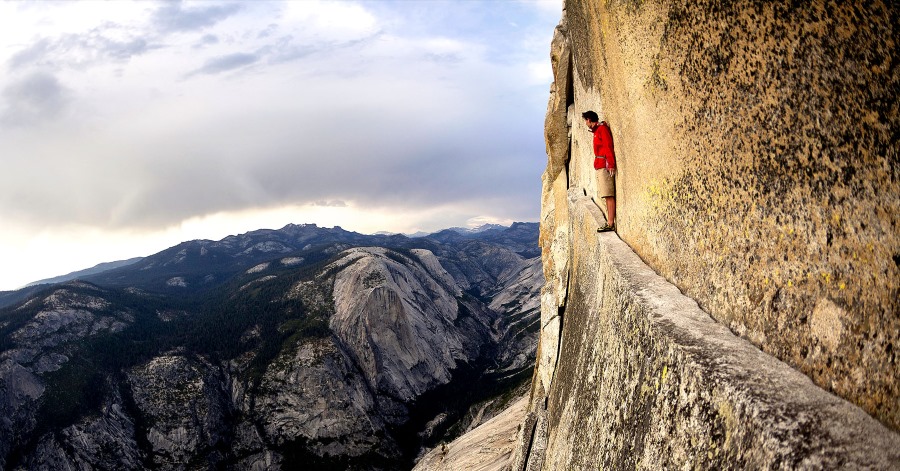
(647, 379)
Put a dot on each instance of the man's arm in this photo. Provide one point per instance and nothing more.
(607, 146)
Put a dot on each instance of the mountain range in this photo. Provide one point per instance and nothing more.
(274, 349)
(99, 268)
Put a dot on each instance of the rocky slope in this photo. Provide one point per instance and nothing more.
(486, 448)
(308, 351)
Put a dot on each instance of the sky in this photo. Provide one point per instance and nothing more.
(129, 127)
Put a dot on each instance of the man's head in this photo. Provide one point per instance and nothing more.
(591, 119)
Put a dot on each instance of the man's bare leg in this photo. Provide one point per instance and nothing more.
(610, 215)
(611, 210)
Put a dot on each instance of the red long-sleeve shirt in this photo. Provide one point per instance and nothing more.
(605, 156)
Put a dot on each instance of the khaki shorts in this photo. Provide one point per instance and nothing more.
(606, 185)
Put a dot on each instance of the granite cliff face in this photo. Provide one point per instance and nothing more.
(757, 153)
(759, 169)
(318, 355)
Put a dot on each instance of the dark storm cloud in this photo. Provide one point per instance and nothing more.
(217, 65)
(314, 160)
(33, 99)
(173, 16)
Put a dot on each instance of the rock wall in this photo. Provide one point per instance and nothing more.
(758, 173)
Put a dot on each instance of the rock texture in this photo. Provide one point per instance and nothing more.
(520, 298)
(487, 448)
(107, 441)
(406, 327)
(756, 146)
(313, 393)
(185, 404)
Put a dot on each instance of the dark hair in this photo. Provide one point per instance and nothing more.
(591, 116)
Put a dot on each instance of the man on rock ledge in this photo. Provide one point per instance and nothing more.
(605, 161)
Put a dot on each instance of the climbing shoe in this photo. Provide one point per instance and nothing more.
(606, 228)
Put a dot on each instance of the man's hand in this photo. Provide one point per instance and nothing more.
(611, 171)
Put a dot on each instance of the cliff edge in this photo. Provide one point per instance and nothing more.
(746, 313)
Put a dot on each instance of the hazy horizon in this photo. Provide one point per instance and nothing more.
(129, 127)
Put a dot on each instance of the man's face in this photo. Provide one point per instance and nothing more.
(591, 124)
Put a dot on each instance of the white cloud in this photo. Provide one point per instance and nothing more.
(21, 22)
(540, 72)
(546, 6)
(333, 21)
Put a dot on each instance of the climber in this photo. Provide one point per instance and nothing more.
(605, 162)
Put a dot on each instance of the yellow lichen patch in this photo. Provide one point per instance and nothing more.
(726, 412)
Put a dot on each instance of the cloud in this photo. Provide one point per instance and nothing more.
(32, 55)
(394, 110)
(549, 6)
(33, 99)
(78, 51)
(331, 20)
(268, 31)
(226, 63)
(329, 203)
(207, 40)
(124, 50)
(174, 17)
